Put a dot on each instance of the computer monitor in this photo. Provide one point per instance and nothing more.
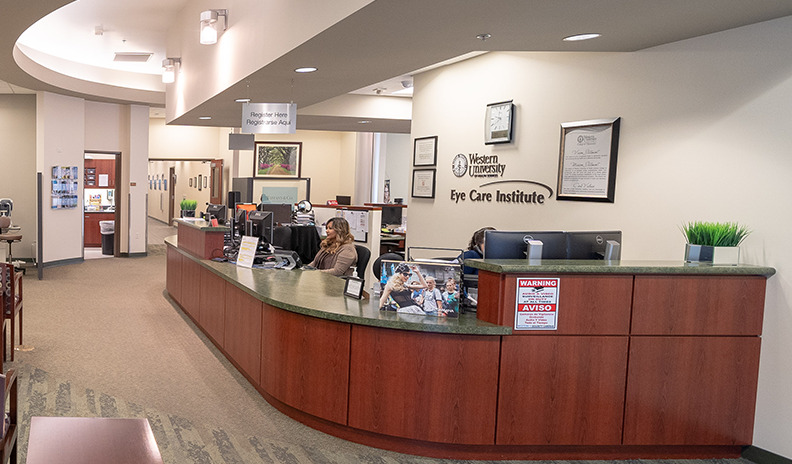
(216, 211)
(592, 244)
(391, 215)
(511, 244)
(260, 225)
(281, 212)
(345, 200)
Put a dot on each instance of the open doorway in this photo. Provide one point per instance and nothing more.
(100, 210)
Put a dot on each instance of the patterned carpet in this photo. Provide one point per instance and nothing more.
(181, 440)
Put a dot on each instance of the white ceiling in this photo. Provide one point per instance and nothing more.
(377, 47)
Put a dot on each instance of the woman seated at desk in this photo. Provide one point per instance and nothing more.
(337, 254)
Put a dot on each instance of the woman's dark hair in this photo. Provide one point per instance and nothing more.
(478, 238)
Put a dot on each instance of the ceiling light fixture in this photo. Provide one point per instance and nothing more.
(578, 37)
(169, 70)
(307, 69)
(484, 36)
(242, 100)
(205, 118)
(364, 122)
(209, 30)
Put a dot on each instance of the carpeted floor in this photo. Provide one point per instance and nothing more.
(107, 342)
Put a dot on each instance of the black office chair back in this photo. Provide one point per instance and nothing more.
(363, 256)
(281, 237)
(377, 269)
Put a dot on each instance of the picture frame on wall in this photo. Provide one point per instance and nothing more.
(277, 160)
(587, 160)
(199, 181)
(190, 181)
(425, 151)
(423, 183)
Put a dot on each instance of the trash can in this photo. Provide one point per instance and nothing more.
(107, 229)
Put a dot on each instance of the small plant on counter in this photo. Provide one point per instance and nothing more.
(188, 208)
(716, 234)
(189, 205)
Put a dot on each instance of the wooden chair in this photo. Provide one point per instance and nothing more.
(9, 427)
(11, 302)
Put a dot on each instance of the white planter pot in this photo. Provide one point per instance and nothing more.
(710, 254)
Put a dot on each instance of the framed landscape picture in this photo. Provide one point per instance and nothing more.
(277, 159)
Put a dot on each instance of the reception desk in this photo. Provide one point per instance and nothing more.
(649, 360)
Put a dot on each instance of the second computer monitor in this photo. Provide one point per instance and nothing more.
(593, 244)
(511, 244)
(392, 215)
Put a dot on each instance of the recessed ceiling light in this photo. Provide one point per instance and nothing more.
(365, 121)
(484, 36)
(242, 100)
(204, 117)
(307, 69)
(575, 38)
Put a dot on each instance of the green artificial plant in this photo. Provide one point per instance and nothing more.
(718, 234)
(188, 205)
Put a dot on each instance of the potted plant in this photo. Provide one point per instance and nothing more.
(188, 208)
(713, 242)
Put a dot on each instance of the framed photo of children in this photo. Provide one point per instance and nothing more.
(427, 289)
(277, 159)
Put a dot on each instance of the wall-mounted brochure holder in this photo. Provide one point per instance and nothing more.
(64, 187)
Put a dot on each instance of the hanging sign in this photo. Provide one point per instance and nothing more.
(269, 118)
(537, 303)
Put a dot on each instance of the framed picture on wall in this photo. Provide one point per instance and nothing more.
(277, 159)
(587, 162)
(199, 182)
(425, 151)
(190, 181)
(423, 183)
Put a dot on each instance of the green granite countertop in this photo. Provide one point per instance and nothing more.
(200, 224)
(615, 267)
(321, 295)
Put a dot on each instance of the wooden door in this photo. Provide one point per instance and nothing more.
(216, 182)
(171, 189)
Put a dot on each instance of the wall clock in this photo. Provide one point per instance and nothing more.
(498, 123)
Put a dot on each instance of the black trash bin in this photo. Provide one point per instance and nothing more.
(107, 229)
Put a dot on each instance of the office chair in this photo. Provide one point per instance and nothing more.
(377, 269)
(11, 299)
(363, 256)
(8, 439)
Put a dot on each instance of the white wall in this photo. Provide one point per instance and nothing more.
(124, 128)
(18, 167)
(704, 135)
(398, 154)
(60, 141)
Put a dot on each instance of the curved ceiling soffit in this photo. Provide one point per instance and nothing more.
(91, 90)
(19, 69)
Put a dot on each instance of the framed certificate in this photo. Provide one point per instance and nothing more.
(587, 162)
(423, 183)
(425, 151)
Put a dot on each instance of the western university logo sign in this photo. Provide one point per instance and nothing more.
(489, 166)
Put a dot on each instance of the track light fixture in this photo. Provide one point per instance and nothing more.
(169, 70)
(209, 30)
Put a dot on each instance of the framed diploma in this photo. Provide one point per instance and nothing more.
(425, 151)
(587, 163)
(423, 183)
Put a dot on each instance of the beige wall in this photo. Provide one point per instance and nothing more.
(703, 137)
(18, 167)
